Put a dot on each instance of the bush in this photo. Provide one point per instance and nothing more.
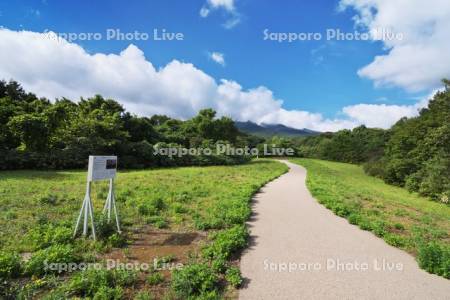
(143, 295)
(40, 261)
(151, 207)
(155, 278)
(50, 199)
(379, 228)
(108, 293)
(194, 280)
(92, 282)
(227, 242)
(395, 240)
(354, 219)
(233, 276)
(375, 168)
(157, 221)
(10, 265)
(435, 259)
(116, 240)
(219, 265)
(103, 228)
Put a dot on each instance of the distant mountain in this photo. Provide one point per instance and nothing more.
(267, 130)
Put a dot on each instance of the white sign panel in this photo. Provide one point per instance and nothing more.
(102, 167)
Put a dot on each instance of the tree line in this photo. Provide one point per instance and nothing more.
(38, 134)
(414, 153)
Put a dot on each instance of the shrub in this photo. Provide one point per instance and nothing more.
(194, 280)
(10, 265)
(219, 265)
(48, 235)
(435, 259)
(91, 282)
(375, 168)
(40, 261)
(116, 240)
(379, 228)
(124, 277)
(233, 276)
(155, 278)
(232, 212)
(151, 207)
(108, 293)
(399, 226)
(179, 208)
(227, 242)
(50, 199)
(395, 240)
(157, 221)
(341, 209)
(104, 229)
(143, 295)
(354, 219)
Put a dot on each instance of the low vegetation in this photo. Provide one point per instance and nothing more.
(403, 219)
(39, 210)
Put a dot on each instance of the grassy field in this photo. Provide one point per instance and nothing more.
(194, 216)
(408, 221)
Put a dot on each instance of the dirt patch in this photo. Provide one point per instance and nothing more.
(148, 243)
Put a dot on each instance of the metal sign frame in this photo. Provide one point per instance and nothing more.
(106, 167)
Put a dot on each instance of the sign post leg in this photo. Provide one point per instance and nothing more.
(91, 213)
(86, 212)
(79, 218)
(110, 205)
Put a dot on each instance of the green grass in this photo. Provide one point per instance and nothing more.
(39, 209)
(184, 198)
(405, 220)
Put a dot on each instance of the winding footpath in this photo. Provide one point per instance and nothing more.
(301, 250)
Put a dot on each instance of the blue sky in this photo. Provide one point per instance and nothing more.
(313, 76)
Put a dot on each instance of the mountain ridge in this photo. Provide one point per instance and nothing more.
(268, 130)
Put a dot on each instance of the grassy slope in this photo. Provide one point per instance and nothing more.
(402, 219)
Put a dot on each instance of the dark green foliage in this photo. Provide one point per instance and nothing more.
(105, 229)
(227, 242)
(194, 280)
(38, 134)
(10, 265)
(418, 152)
(233, 276)
(435, 259)
(354, 146)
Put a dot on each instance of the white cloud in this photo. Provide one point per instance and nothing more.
(204, 12)
(218, 58)
(226, 5)
(422, 58)
(53, 69)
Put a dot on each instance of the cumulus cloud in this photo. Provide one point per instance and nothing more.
(421, 58)
(57, 68)
(227, 5)
(218, 58)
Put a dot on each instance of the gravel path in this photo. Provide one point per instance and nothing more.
(328, 258)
